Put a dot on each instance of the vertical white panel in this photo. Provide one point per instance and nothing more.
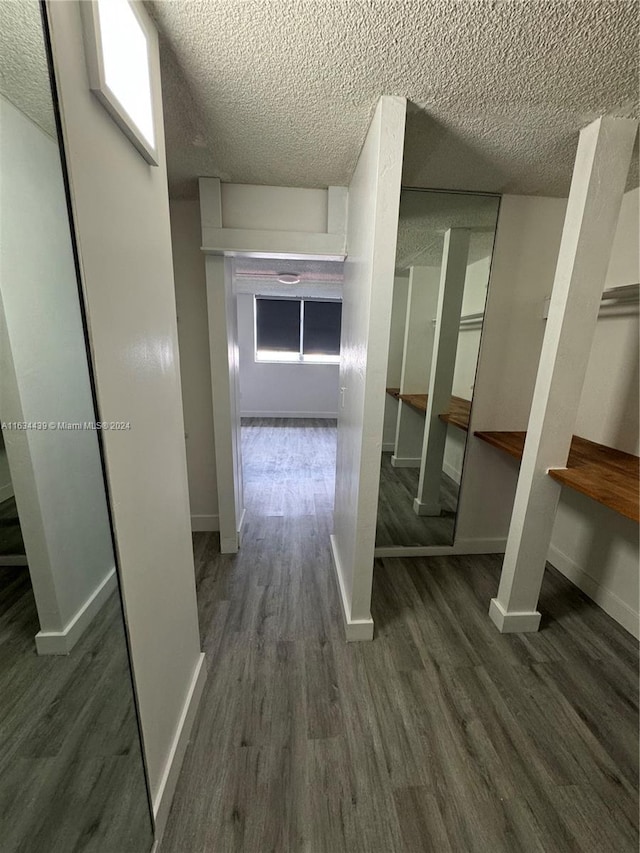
(374, 200)
(121, 211)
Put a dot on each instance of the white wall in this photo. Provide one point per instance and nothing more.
(121, 212)
(195, 371)
(57, 475)
(394, 364)
(591, 544)
(256, 208)
(374, 199)
(281, 390)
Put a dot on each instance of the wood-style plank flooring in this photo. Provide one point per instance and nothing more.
(397, 523)
(71, 773)
(11, 543)
(440, 735)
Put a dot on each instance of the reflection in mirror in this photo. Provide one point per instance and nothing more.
(71, 767)
(443, 258)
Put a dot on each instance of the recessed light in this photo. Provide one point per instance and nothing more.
(288, 278)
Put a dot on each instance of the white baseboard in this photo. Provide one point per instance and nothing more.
(164, 797)
(458, 549)
(603, 597)
(452, 473)
(241, 526)
(406, 461)
(328, 415)
(61, 642)
(388, 446)
(525, 622)
(421, 508)
(6, 492)
(205, 523)
(354, 629)
(17, 560)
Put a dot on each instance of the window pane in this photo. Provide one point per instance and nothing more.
(278, 325)
(322, 327)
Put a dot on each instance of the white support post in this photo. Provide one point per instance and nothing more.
(222, 334)
(599, 177)
(455, 254)
(422, 303)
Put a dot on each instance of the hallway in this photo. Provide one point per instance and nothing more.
(441, 734)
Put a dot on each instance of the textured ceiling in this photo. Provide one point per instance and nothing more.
(281, 91)
(24, 75)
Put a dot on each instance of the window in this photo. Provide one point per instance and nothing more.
(297, 330)
(117, 48)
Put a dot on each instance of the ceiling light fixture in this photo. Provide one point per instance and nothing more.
(289, 278)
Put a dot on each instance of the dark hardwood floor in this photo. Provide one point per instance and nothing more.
(440, 735)
(71, 773)
(397, 522)
(11, 543)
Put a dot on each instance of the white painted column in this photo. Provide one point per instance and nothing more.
(223, 354)
(599, 177)
(422, 303)
(455, 254)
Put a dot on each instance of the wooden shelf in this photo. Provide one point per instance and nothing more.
(416, 401)
(458, 414)
(608, 476)
(393, 392)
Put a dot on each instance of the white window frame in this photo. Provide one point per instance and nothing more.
(98, 84)
(296, 358)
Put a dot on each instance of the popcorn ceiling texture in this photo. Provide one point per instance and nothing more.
(24, 77)
(282, 91)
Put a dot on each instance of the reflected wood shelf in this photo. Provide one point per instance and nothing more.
(416, 401)
(393, 392)
(608, 476)
(458, 414)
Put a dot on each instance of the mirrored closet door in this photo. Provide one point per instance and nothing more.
(443, 259)
(71, 768)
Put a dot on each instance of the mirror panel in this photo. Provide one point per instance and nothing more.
(71, 766)
(443, 260)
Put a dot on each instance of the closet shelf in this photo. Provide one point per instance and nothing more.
(393, 392)
(457, 415)
(608, 476)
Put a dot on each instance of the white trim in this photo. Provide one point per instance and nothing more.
(231, 242)
(459, 549)
(6, 492)
(164, 797)
(14, 560)
(243, 516)
(280, 414)
(98, 84)
(205, 523)
(422, 508)
(61, 642)
(452, 473)
(525, 622)
(405, 461)
(354, 629)
(606, 599)
(388, 446)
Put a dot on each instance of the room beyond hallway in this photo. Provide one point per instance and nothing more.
(440, 735)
